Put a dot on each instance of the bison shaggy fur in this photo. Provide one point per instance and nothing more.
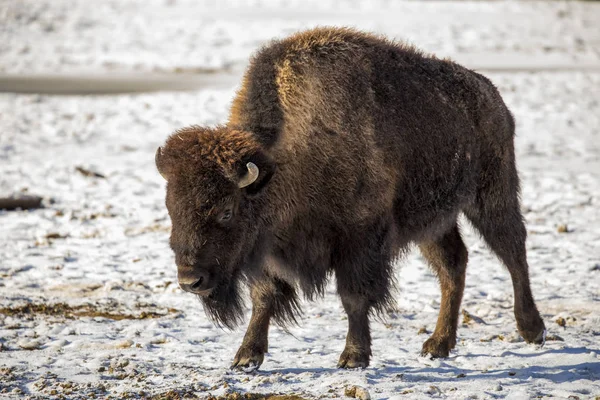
(341, 150)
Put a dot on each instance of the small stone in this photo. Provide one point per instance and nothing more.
(357, 392)
(470, 318)
(160, 339)
(561, 321)
(512, 373)
(466, 317)
(422, 330)
(433, 390)
(488, 338)
(27, 344)
(562, 228)
(124, 344)
(461, 376)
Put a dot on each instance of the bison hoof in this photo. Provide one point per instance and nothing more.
(350, 360)
(438, 347)
(536, 333)
(247, 360)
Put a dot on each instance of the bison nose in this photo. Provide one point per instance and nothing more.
(195, 281)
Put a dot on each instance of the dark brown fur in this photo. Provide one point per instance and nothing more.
(364, 146)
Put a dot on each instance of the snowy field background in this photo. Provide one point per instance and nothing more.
(89, 304)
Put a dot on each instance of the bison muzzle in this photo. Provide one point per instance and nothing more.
(341, 150)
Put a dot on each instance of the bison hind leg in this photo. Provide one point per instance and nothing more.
(447, 256)
(501, 224)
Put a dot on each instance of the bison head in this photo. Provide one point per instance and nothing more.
(215, 178)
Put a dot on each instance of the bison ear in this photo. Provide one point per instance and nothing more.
(159, 160)
(266, 170)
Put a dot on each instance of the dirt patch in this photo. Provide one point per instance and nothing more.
(190, 394)
(257, 396)
(29, 311)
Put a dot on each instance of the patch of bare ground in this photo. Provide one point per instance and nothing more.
(63, 310)
(50, 385)
(256, 396)
(185, 394)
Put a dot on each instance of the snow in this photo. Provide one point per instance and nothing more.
(106, 317)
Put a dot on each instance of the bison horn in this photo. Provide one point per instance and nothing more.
(250, 176)
(157, 161)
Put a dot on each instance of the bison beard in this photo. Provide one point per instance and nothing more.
(225, 305)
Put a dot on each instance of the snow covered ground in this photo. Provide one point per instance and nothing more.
(89, 304)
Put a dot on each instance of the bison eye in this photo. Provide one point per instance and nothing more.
(225, 216)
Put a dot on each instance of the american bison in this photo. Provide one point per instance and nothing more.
(341, 150)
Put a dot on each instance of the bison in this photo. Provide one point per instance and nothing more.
(342, 149)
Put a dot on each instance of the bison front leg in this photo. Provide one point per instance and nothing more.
(251, 353)
(364, 276)
(357, 352)
(270, 298)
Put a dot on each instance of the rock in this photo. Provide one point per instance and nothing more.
(29, 344)
(357, 392)
(488, 338)
(562, 228)
(469, 318)
(433, 390)
(89, 173)
(124, 344)
(160, 339)
(21, 202)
